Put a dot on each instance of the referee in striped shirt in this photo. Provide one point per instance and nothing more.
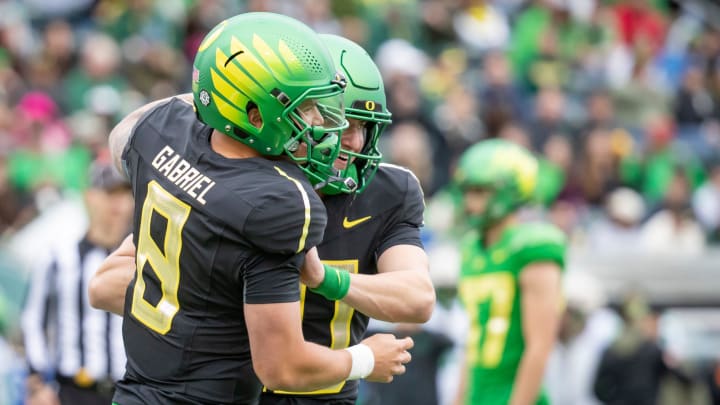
(75, 352)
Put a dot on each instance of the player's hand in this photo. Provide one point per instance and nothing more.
(391, 355)
(312, 272)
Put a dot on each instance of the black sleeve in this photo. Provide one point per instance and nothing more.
(288, 221)
(272, 278)
(404, 226)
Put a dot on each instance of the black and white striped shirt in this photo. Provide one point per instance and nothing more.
(62, 332)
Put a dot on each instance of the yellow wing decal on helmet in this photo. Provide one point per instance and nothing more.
(212, 37)
(234, 74)
(269, 57)
(226, 89)
(520, 165)
(226, 109)
(526, 170)
(292, 62)
(249, 63)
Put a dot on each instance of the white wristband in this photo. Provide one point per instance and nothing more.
(363, 361)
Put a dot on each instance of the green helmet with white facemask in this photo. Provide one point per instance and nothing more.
(504, 169)
(364, 100)
(278, 65)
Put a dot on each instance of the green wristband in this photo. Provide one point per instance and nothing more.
(335, 284)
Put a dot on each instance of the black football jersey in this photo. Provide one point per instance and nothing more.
(360, 228)
(211, 233)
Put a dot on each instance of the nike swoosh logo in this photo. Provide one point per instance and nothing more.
(349, 224)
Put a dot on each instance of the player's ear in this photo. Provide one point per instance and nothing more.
(254, 116)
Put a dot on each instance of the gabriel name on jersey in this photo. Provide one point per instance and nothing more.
(183, 174)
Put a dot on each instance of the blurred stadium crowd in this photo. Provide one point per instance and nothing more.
(620, 99)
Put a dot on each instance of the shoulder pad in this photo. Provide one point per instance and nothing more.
(288, 218)
(398, 176)
(404, 183)
(469, 243)
(538, 242)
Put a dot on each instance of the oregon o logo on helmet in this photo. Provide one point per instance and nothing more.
(370, 105)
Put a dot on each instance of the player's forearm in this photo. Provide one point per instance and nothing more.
(540, 297)
(107, 289)
(310, 368)
(528, 379)
(398, 296)
(281, 357)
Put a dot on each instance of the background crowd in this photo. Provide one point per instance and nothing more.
(619, 99)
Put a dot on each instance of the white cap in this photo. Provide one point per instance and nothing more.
(625, 205)
(400, 56)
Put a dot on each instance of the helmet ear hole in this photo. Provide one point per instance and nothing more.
(254, 115)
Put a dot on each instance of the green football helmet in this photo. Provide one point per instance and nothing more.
(278, 65)
(506, 170)
(365, 101)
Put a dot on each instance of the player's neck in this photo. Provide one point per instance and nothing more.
(495, 232)
(227, 147)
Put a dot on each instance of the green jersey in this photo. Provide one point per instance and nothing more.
(490, 292)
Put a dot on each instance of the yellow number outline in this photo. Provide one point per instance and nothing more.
(499, 289)
(339, 324)
(166, 266)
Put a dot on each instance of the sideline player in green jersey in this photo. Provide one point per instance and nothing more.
(510, 281)
(372, 235)
(222, 229)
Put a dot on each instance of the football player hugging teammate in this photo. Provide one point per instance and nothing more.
(226, 217)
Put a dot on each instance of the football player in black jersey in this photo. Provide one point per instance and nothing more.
(372, 235)
(222, 228)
